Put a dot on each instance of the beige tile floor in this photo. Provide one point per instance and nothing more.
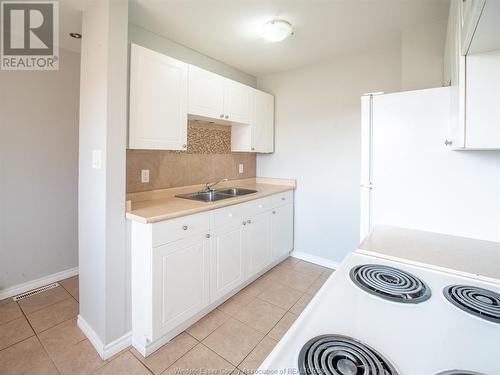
(39, 335)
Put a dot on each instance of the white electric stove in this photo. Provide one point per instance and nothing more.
(355, 325)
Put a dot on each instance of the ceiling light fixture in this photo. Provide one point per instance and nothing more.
(75, 35)
(277, 30)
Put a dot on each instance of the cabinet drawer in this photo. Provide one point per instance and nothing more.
(282, 198)
(232, 215)
(257, 206)
(176, 229)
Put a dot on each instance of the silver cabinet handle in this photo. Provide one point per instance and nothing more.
(253, 148)
(249, 221)
(207, 235)
(222, 116)
(274, 212)
(283, 198)
(244, 222)
(447, 142)
(184, 146)
(227, 116)
(184, 227)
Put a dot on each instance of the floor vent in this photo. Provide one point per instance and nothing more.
(35, 291)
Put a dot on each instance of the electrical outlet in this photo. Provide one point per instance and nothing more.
(240, 168)
(144, 176)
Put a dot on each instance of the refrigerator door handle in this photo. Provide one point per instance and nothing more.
(367, 186)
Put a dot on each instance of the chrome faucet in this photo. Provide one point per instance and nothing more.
(210, 186)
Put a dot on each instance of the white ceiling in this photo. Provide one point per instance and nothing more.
(70, 21)
(228, 30)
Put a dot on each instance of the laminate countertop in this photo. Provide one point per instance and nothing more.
(459, 255)
(158, 205)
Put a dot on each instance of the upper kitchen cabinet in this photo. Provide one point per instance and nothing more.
(263, 122)
(482, 109)
(486, 36)
(206, 93)
(238, 100)
(215, 97)
(470, 13)
(158, 101)
(259, 137)
(164, 91)
(472, 58)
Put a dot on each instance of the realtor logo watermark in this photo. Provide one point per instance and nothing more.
(30, 35)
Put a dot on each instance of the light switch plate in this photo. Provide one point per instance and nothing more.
(240, 168)
(96, 159)
(144, 176)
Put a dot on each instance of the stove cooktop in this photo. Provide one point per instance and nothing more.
(394, 318)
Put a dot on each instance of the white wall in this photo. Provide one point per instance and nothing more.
(317, 135)
(422, 56)
(153, 41)
(38, 171)
(103, 257)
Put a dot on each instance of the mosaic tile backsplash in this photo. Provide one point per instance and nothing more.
(208, 139)
(208, 158)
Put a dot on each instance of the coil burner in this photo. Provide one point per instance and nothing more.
(390, 283)
(480, 302)
(341, 355)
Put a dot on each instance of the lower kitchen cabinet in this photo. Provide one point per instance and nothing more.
(180, 282)
(282, 230)
(227, 259)
(183, 267)
(258, 243)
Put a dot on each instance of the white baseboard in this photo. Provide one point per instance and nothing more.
(315, 259)
(33, 284)
(104, 351)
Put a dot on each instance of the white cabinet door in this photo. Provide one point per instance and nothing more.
(454, 72)
(470, 14)
(482, 115)
(263, 122)
(282, 231)
(227, 259)
(180, 282)
(158, 101)
(258, 243)
(238, 100)
(206, 93)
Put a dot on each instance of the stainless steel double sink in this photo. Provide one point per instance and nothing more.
(216, 195)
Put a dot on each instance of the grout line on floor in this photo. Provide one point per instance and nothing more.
(68, 290)
(108, 362)
(48, 354)
(265, 335)
(236, 367)
(9, 321)
(61, 322)
(49, 305)
(185, 331)
(34, 335)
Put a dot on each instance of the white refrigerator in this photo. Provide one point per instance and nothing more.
(411, 179)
